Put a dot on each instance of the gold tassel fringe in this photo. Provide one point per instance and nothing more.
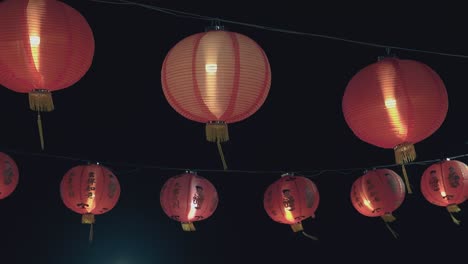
(297, 227)
(87, 219)
(404, 153)
(221, 154)
(91, 233)
(39, 127)
(405, 177)
(388, 218)
(309, 236)
(453, 208)
(217, 131)
(395, 234)
(41, 100)
(188, 226)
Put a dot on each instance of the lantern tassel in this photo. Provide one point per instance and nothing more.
(39, 127)
(388, 218)
(41, 100)
(405, 153)
(297, 227)
(91, 233)
(309, 236)
(188, 227)
(217, 131)
(405, 177)
(453, 208)
(221, 154)
(395, 234)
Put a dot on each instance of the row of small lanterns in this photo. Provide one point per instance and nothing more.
(93, 189)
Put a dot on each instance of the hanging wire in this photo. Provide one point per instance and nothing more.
(200, 17)
(307, 173)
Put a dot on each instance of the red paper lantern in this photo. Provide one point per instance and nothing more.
(188, 198)
(377, 193)
(9, 175)
(45, 46)
(216, 77)
(290, 200)
(446, 184)
(395, 103)
(90, 190)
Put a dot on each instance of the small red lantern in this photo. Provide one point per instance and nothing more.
(216, 77)
(9, 175)
(446, 184)
(187, 198)
(377, 193)
(290, 200)
(394, 104)
(45, 46)
(90, 190)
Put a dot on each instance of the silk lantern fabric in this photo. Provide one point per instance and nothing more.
(291, 199)
(188, 198)
(45, 46)
(90, 190)
(378, 193)
(216, 77)
(446, 184)
(395, 103)
(9, 175)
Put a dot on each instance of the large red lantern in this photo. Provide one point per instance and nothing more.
(90, 190)
(394, 104)
(216, 77)
(378, 193)
(188, 198)
(446, 184)
(45, 46)
(290, 200)
(9, 175)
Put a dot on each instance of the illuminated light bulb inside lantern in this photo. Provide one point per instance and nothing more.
(390, 103)
(387, 78)
(444, 194)
(211, 68)
(34, 41)
(212, 91)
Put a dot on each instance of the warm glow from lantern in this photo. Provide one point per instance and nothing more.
(288, 215)
(34, 28)
(212, 77)
(368, 204)
(192, 211)
(387, 82)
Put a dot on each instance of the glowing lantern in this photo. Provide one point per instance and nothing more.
(9, 175)
(377, 193)
(446, 184)
(290, 200)
(187, 198)
(45, 46)
(216, 77)
(394, 104)
(90, 190)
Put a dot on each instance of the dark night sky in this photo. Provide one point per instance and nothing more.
(118, 115)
